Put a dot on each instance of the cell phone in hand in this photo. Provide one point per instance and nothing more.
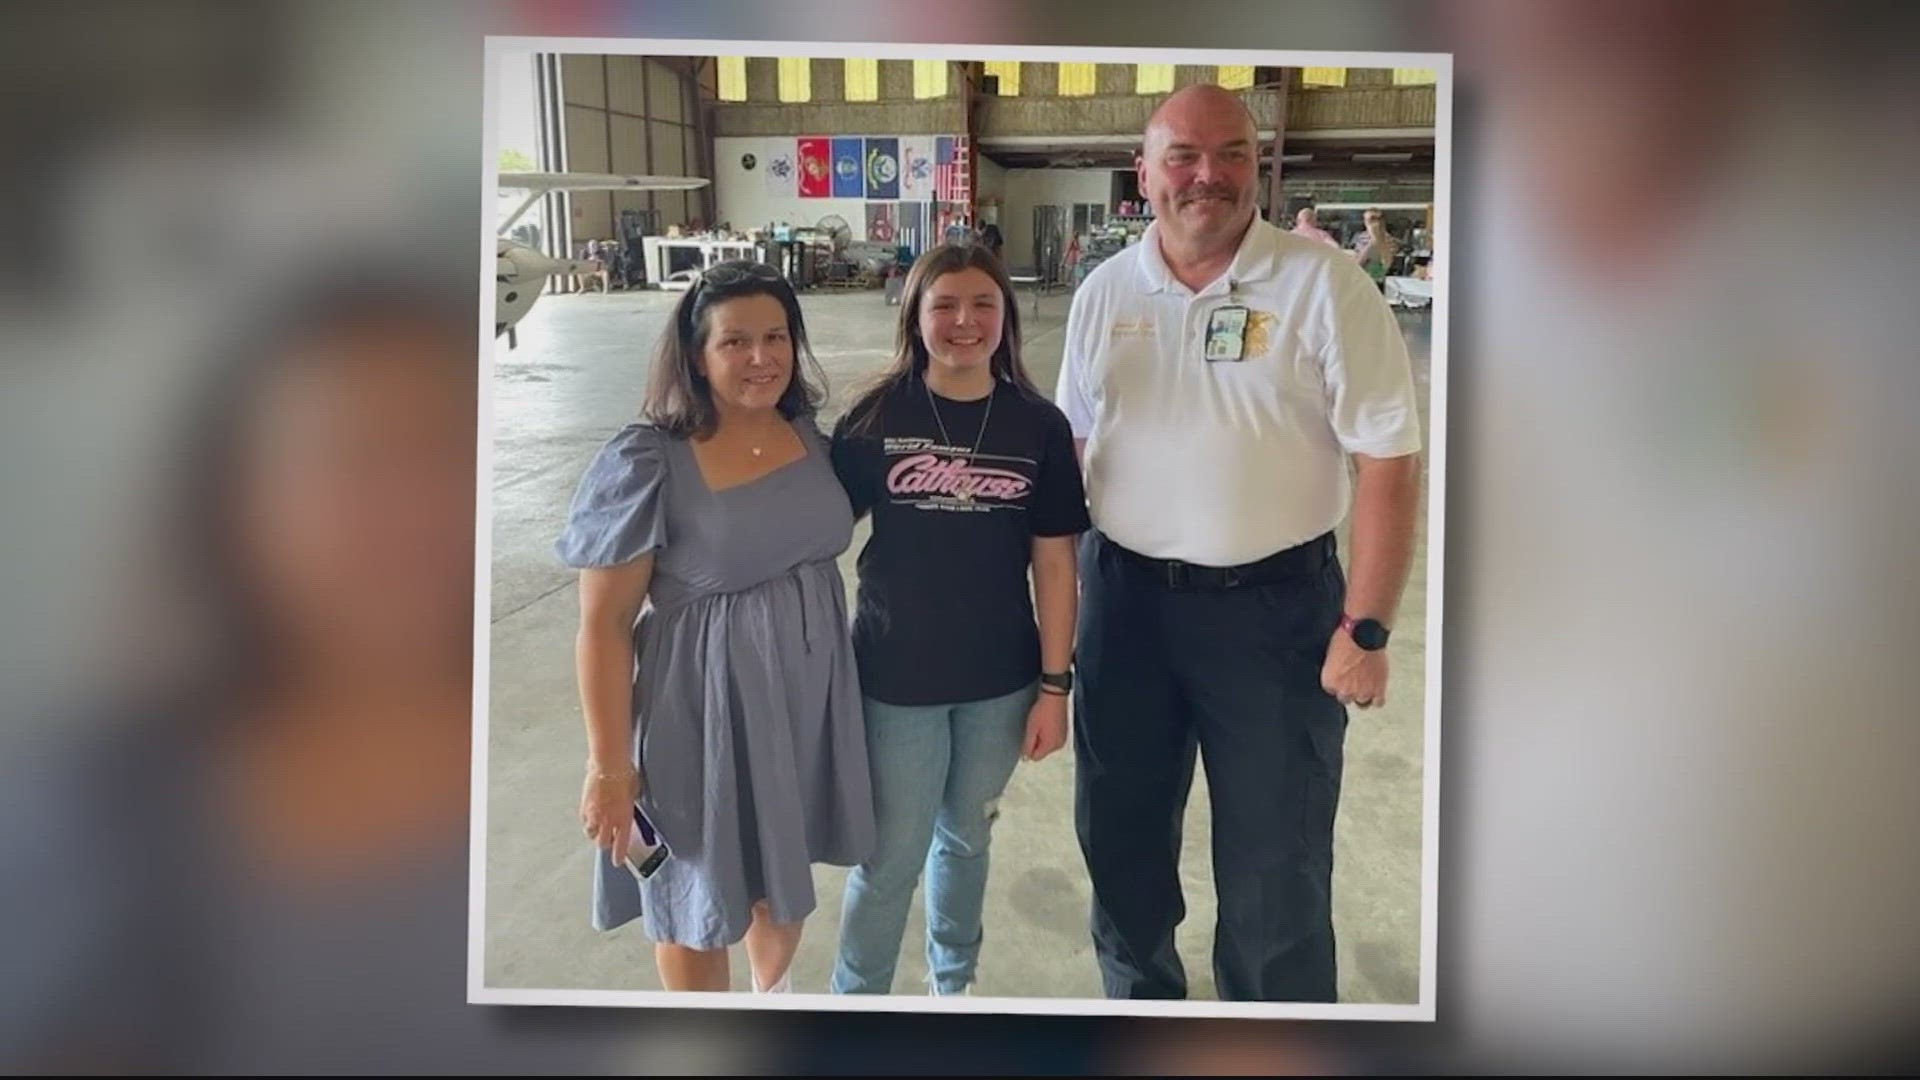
(645, 851)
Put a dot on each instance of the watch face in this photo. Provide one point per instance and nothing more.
(1369, 634)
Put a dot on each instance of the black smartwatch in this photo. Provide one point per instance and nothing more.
(1369, 634)
(1062, 682)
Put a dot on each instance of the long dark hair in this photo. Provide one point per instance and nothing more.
(679, 398)
(910, 356)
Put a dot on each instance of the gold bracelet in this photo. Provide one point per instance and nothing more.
(621, 775)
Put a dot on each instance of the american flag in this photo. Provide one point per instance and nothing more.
(950, 169)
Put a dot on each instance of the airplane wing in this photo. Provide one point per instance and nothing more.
(545, 182)
(537, 184)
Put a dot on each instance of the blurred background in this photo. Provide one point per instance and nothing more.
(241, 294)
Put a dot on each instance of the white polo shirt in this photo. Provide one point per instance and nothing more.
(1221, 463)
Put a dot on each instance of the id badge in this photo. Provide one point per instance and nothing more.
(1227, 334)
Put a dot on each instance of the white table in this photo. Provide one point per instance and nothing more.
(1410, 292)
(1033, 281)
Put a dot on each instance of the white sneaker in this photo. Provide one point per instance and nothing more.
(784, 986)
(934, 991)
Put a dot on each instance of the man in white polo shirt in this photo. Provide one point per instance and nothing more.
(1221, 375)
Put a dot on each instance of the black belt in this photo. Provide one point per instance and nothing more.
(1289, 563)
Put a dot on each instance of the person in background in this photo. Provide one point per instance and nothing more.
(991, 238)
(1377, 247)
(1307, 223)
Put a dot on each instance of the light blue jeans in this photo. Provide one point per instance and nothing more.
(938, 772)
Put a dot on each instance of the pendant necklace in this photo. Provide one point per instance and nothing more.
(965, 496)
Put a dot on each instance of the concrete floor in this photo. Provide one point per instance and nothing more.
(579, 374)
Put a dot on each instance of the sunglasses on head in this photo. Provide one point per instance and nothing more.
(733, 273)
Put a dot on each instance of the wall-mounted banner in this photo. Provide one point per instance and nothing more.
(883, 168)
(816, 168)
(849, 171)
(950, 169)
(781, 171)
(882, 226)
(916, 168)
(915, 228)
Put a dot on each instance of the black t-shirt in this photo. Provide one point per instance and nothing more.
(945, 612)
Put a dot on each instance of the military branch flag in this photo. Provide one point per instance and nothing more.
(816, 168)
(916, 168)
(883, 169)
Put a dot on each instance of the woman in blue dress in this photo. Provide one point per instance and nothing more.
(716, 669)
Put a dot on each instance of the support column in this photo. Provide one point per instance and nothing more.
(968, 99)
(709, 158)
(1276, 204)
(703, 120)
(606, 91)
(646, 134)
(556, 226)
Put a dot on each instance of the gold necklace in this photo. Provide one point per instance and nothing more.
(753, 447)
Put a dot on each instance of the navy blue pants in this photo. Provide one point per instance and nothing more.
(1172, 659)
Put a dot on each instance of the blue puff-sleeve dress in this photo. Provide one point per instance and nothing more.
(749, 741)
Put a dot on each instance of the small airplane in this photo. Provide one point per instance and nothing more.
(521, 271)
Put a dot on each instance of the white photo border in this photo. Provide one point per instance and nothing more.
(498, 47)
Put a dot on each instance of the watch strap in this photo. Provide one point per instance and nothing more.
(1350, 624)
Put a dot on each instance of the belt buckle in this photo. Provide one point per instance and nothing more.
(1230, 577)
